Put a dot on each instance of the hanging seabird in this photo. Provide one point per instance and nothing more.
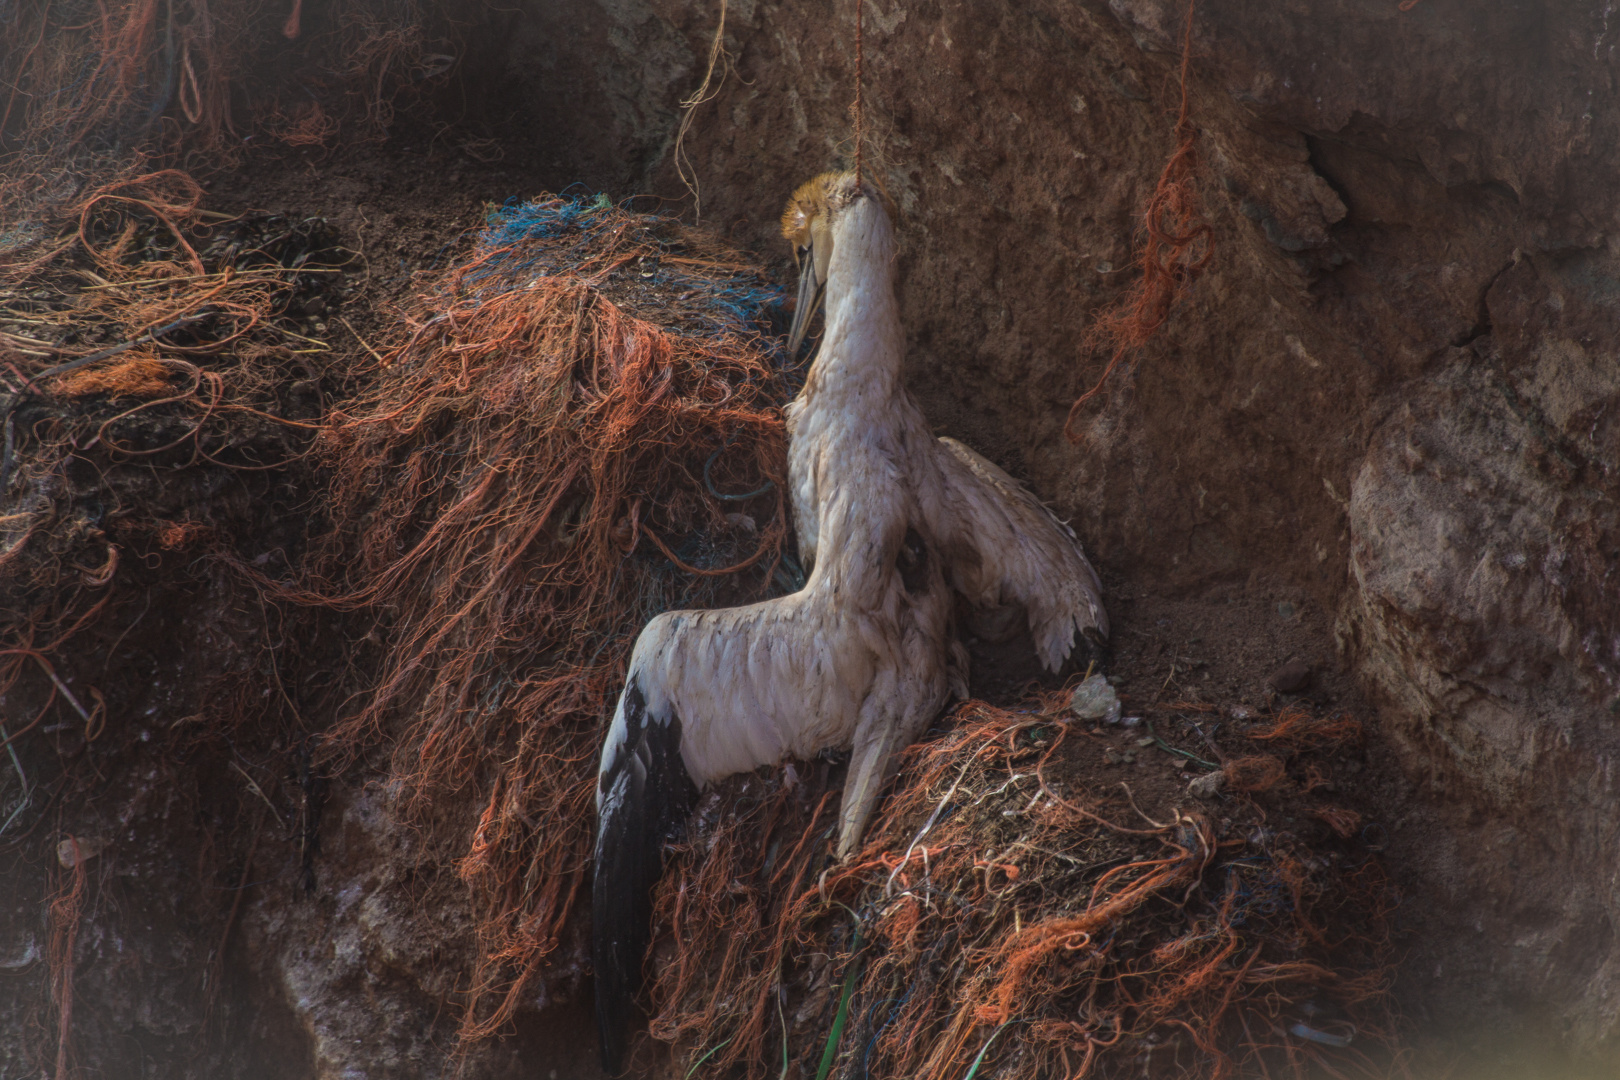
(856, 659)
(890, 520)
(1001, 547)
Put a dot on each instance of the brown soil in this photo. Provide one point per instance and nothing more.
(1396, 242)
(406, 211)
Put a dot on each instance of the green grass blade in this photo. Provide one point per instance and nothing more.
(712, 1051)
(987, 1044)
(830, 1054)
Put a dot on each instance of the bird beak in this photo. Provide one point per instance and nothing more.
(811, 287)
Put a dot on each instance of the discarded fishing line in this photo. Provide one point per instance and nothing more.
(1001, 921)
(1176, 245)
(139, 339)
(578, 428)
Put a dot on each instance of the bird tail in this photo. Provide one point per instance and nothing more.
(644, 795)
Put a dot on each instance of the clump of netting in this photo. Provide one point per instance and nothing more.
(93, 90)
(144, 332)
(579, 428)
(1003, 922)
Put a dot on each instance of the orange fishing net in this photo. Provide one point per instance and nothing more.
(579, 429)
(998, 922)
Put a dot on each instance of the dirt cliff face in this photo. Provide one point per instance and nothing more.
(1393, 397)
(1394, 389)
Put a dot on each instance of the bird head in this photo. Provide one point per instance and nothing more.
(807, 223)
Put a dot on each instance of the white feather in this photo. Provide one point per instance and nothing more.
(1000, 544)
(854, 659)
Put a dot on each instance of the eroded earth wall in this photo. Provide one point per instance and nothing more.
(1396, 388)
(1394, 392)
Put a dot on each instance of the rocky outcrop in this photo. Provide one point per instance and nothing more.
(1485, 610)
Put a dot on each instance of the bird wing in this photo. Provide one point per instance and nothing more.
(708, 694)
(712, 693)
(1003, 546)
(755, 684)
(643, 796)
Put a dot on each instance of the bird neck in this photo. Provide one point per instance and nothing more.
(862, 347)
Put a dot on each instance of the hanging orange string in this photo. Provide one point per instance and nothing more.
(1178, 246)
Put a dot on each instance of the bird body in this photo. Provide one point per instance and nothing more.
(892, 523)
(858, 658)
(1000, 545)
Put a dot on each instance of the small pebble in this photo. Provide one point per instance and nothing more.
(75, 850)
(1094, 699)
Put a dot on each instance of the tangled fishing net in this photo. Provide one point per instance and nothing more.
(576, 428)
(91, 90)
(146, 335)
(1001, 921)
(580, 428)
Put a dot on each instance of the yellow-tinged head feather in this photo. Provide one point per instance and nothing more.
(807, 223)
(816, 199)
(809, 202)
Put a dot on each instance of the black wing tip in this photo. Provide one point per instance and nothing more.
(621, 915)
(611, 1036)
(656, 795)
(613, 934)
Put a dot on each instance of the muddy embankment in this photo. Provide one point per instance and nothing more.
(1391, 401)
(1395, 390)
